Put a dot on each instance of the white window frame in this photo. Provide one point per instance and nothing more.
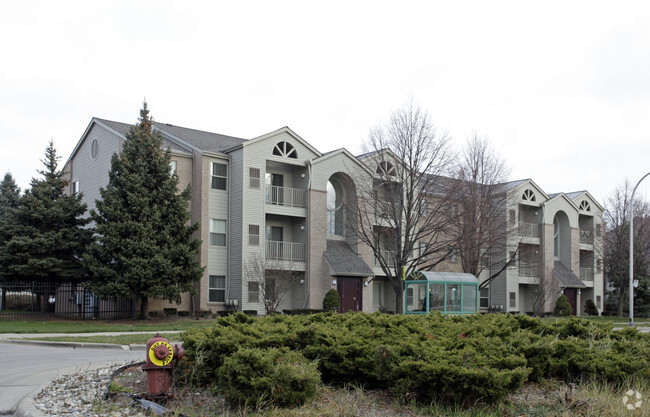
(254, 177)
(172, 167)
(75, 187)
(216, 176)
(216, 289)
(253, 292)
(216, 231)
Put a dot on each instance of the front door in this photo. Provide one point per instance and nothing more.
(350, 291)
(572, 295)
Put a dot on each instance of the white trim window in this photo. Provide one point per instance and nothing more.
(75, 187)
(219, 176)
(217, 232)
(172, 167)
(217, 289)
(253, 292)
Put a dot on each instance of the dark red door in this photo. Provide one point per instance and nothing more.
(350, 291)
(572, 295)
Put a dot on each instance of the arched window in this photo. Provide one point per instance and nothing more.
(386, 168)
(556, 237)
(584, 206)
(285, 149)
(528, 195)
(335, 195)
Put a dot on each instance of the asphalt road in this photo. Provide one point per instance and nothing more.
(26, 368)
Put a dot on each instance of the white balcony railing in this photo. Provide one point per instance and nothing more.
(587, 237)
(587, 274)
(285, 196)
(529, 229)
(530, 270)
(285, 251)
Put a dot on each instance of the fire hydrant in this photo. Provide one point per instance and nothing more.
(161, 357)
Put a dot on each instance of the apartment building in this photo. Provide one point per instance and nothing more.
(556, 241)
(276, 204)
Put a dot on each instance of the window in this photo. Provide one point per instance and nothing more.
(75, 187)
(599, 265)
(386, 168)
(423, 208)
(217, 289)
(254, 177)
(598, 231)
(217, 232)
(94, 149)
(409, 296)
(219, 176)
(556, 237)
(513, 300)
(253, 292)
(453, 256)
(285, 149)
(528, 195)
(253, 234)
(484, 298)
(598, 302)
(377, 296)
(172, 167)
(513, 217)
(584, 206)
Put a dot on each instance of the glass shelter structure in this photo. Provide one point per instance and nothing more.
(446, 292)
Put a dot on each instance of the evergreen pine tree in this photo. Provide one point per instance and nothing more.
(145, 244)
(46, 234)
(9, 196)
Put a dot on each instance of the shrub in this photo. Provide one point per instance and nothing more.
(332, 301)
(170, 311)
(183, 313)
(250, 312)
(563, 307)
(590, 307)
(253, 377)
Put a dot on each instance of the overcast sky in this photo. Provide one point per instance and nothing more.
(562, 89)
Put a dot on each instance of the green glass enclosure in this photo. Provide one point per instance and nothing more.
(448, 292)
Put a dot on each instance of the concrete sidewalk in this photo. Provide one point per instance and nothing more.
(22, 338)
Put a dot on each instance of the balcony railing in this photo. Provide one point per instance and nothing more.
(587, 274)
(529, 229)
(587, 237)
(387, 256)
(530, 270)
(285, 196)
(285, 251)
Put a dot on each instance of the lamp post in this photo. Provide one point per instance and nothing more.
(631, 290)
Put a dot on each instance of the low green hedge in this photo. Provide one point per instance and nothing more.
(427, 357)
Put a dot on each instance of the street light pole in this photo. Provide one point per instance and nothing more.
(631, 290)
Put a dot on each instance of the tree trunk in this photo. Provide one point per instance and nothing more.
(622, 299)
(144, 307)
(399, 297)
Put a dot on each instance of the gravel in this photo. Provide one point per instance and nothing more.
(81, 394)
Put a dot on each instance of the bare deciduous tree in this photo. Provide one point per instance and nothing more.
(543, 292)
(616, 242)
(403, 210)
(482, 227)
(273, 279)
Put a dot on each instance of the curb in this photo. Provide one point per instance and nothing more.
(76, 345)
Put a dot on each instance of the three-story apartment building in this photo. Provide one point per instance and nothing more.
(275, 203)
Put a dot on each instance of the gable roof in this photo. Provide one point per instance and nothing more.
(284, 129)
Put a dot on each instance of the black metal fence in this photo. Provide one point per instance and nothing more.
(25, 300)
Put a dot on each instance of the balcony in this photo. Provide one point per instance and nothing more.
(528, 270)
(587, 274)
(388, 257)
(285, 251)
(285, 196)
(587, 237)
(529, 229)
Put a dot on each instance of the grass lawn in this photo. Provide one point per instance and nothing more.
(93, 326)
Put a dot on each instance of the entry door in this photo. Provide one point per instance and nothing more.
(572, 295)
(350, 291)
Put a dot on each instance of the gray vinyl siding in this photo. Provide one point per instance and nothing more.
(218, 209)
(236, 187)
(93, 174)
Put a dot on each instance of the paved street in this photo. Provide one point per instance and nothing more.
(25, 368)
